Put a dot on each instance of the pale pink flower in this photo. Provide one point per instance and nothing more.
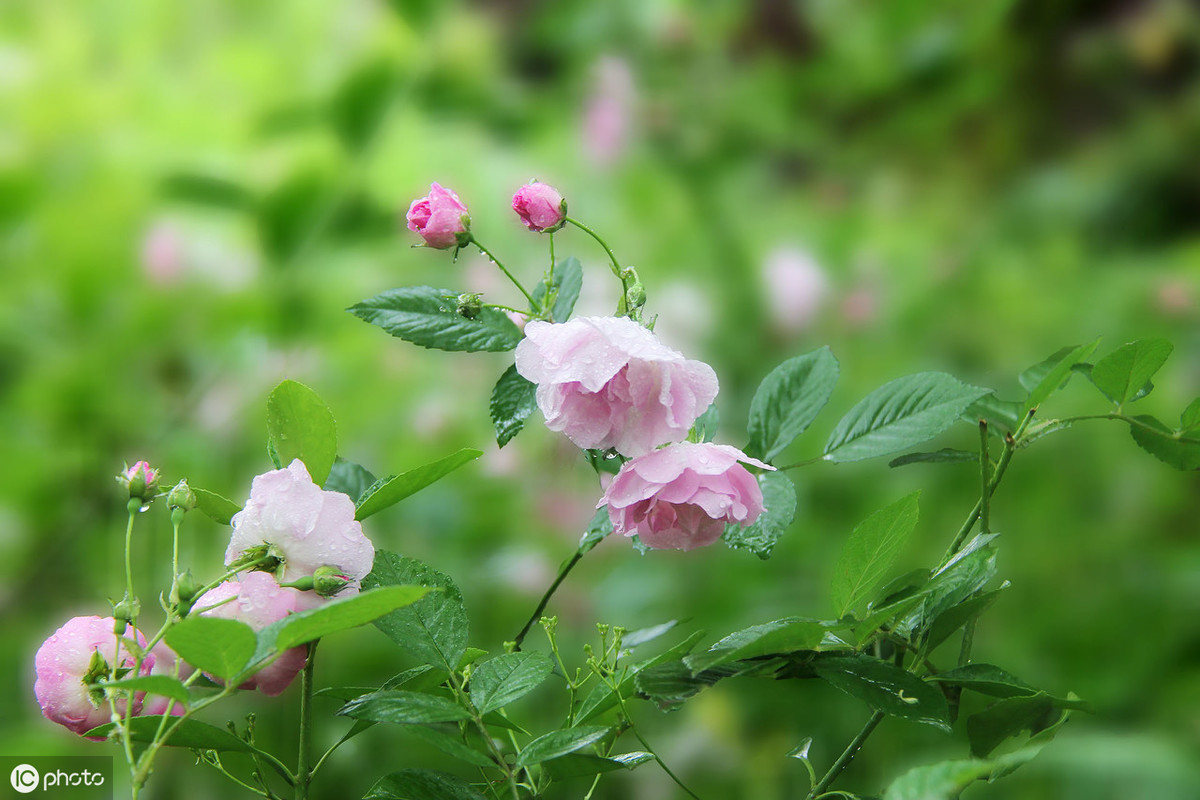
(67, 669)
(682, 496)
(440, 218)
(305, 526)
(796, 287)
(257, 600)
(607, 382)
(608, 111)
(540, 207)
(162, 254)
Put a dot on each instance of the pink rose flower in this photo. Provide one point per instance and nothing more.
(140, 480)
(608, 382)
(305, 526)
(440, 218)
(540, 207)
(796, 288)
(682, 496)
(66, 669)
(257, 600)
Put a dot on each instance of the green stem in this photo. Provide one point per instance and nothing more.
(541, 606)
(134, 505)
(985, 495)
(616, 265)
(465, 700)
(504, 269)
(1132, 422)
(616, 687)
(803, 463)
(847, 755)
(303, 772)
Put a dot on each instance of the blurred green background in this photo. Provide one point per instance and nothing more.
(192, 193)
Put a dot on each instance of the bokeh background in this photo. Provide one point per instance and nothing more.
(192, 193)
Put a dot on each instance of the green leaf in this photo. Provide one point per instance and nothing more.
(422, 784)
(788, 400)
(579, 765)
(1047, 377)
(559, 743)
(781, 636)
(985, 679)
(779, 509)
(878, 617)
(1008, 717)
(942, 781)
(513, 399)
(1001, 415)
(943, 626)
(597, 530)
(163, 685)
(360, 103)
(704, 429)
(900, 414)
(429, 317)
(1123, 373)
(434, 629)
(346, 612)
(568, 281)
(215, 507)
(1189, 420)
(301, 426)
(964, 575)
(349, 478)
(219, 646)
(946, 455)
(450, 744)
(870, 550)
(1168, 446)
(190, 733)
(885, 687)
(503, 679)
(401, 707)
(644, 635)
(394, 488)
(674, 681)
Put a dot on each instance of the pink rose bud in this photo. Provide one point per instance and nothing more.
(70, 664)
(258, 600)
(305, 526)
(440, 218)
(140, 480)
(608, 382)
(682, 496)
(540, 207)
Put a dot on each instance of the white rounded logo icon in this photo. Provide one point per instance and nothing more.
(24, 778)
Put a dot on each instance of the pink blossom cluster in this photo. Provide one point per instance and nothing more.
(306, 535)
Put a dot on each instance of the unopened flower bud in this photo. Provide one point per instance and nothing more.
(635, 292)
(329, 581)
(440, 218)
(540, 207)
(181, 497)
(183, 592)
(126, 611)
(140, 480)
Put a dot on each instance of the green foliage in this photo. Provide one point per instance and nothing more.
(788, 400)
(434, 629)
(388, 491)
(885, 687)
(450, 744)
(401, 707)
(564, 290)
(578, 765)
(349, 478)
(345, 612)
(870, 550)
(507, 677)
(300, 425)
(222, 647)
(598, 529)
(779, 509)
(191, 733)
(513, 399)
(947, 455)
(900, 414)
(985, 679)
(361, 102)
(1168, 446)
(781, 636)
(1008, 717)
(559, 743)
(704, 429)
(1123, 374)
(422, 784)
(429, 317)
(163, 685)
(217, 508)
(1048, 376)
